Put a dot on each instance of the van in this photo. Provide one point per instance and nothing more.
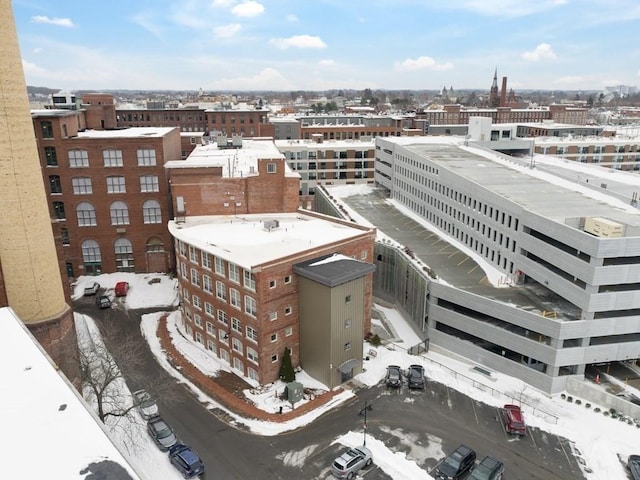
(514, 420)
(121, 289)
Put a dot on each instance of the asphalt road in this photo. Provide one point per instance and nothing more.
(413, 422)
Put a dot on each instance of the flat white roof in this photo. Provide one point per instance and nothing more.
(133, 132)
(243, 240)
(325, 144)
(48, 430)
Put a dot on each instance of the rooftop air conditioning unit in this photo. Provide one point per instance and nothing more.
(270, 225)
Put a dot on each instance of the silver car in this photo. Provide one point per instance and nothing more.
(146, 404)
(351, 462)
(161, 433)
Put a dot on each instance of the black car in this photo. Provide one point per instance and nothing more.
(161, 433)
(456, 464)
(393, 378)
(186, 460)
(415, 376)
(102, 301)
(490, 468)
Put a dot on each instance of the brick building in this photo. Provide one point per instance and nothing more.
(107, 192)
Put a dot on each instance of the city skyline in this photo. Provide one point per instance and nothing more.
(325, 44)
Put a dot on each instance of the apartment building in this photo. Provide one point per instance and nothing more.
(620, 153)
(107, 193)
(572, 256)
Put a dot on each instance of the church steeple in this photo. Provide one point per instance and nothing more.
(494, 95)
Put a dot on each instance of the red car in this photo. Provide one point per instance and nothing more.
(514, 420)
(121, 289)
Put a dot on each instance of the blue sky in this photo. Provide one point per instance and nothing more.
(328, 44)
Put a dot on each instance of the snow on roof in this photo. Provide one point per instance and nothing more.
(49, 431)
(133, 132)
(246, 242)
(325, 144)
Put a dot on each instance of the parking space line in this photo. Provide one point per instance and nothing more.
(463, 260)
(475, 413)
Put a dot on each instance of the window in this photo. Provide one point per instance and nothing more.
(197, 319)
(196, 302)
(347, 299)
(236, 325)
(219, 265)
(151, 212)
(252, 334)
(208, 309)
(252, 355)
(183, 248)
(271, 168)
(54, 184)
(211, 346)
(221, 291)
(250, 306)
(347, 323)
(193, 254)
(155, 245)
(81, 185)
(146, 157)
(288, 331)
(287, 279)
(47, 129)
(274, 337)
(223, 317)
(116, 185)
(223, 337)
(112, 158)
(78, 158)
(347, 346)
(234, 298)
(273, 316)
(234, 273)
(86, 215)
(195, 277)
(210, 328)
(64, 236)
(287, 310)
(149, 183)
(91, 257)
(184, 270)
(206, 260)
(124, 255)
(199, 338)
(207, 283)
(249, 281)
(272, 284)
(274, 358)
(236, 344)
(119, 213)
(51, 156)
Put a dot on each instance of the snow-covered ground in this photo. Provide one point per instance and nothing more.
(598, 439)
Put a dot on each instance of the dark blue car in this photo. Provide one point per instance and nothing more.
(186, 460)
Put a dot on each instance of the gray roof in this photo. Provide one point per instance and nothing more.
(333, 270)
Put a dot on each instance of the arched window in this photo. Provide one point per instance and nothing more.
(124, 255)
(86, 215)
(151, 212)
(119, 213)
(91, 257)
(155, 245)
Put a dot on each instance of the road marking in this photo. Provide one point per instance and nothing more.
(463, 260)
(474, 267)
(475, 414)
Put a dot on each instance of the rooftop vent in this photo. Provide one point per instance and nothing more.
(270, 225)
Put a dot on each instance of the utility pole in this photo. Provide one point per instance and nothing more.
(363, 412)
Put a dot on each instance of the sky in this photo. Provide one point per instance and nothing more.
(241, 45)
(598, 439)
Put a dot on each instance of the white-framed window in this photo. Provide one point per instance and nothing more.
(86, 215)
(146, 157)
(252, 355)
(234, 273)
(188, 329)
(274, 358)
(211, 330)
(223, 354)
(199, 338)
(211, 346)
(187, 313)
(197, 303)
(347, 323)
(236, 325)
(235, 298)
(119, 213)
(250, 306)
(236, 344)
(223, 338)
(347, 346)
(271, 168)
(185, 295)
(184, 271)
(288, 331)
(81, 186)
(251, 373)
(112, 157)
(149, 183)
(272, 284)
(287, 310)
(206, 260)
(287, 279)
(273, 316)
(363, 255)
(347, 299)
(197, 319)
(237, 364)
(183, 248)
(195, 277)
(116, 185)
(223, 317)
(209, 310)
(274, 337)
(78, 158)
(219, 265)
(251, 333)
(207, 283)
(221, 291)
(249, 281)
(151, 212)
(193, 254)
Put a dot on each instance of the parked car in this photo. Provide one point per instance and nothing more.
(161, 433)
(456, 464)
(91, 289)
(121, 289)
(514, 420)
(393, 378)
(186, 460)
(489, 468)
(351, 462)
(147, 406)
(102, 301)
(415, 376)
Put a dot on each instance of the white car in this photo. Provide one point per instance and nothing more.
(92, 289)
(146, 404)
(351, 462)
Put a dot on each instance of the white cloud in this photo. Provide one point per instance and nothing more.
(223, 3)
(60, 22)
(505, 8)
(248, 9)
(145, 21)
(33, 69)
(541, 52)
(423, 63)
(327, 62)
(292, 17)
(38, 50)
(298, 41)
(227, 31)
